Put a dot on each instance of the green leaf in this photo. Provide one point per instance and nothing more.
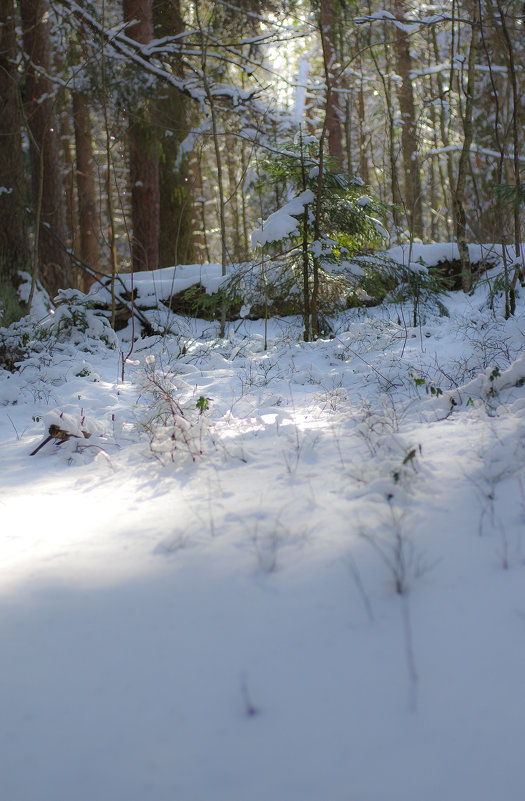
(410, 456)
(203, 404)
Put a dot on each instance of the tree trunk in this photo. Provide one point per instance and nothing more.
(143, 156)
(516, 121)
(233, 200)
(304, 252)
(72, 223)
(46, 167)
(244, 209)
(198, 209)
(364, 172)
(409, 140)
(444, 123)
(384, 72)
(333, 112)
(86, 187)
(348, 135)
(14, 249)
(218, 156)
(172, 112)
(460, 217)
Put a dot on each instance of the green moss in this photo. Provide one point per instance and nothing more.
(10, 308)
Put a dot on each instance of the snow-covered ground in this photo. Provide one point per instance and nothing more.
(312, 590)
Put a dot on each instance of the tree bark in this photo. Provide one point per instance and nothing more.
(46, 166)
(86, 187)
(516, 121)
(14, 248)
(233, 200)
(198, 209)
(333, 111)
(66, 137)
(444, 121)
(172, 110)
(384, 73)
(458, 200)
(364, 172)
(409, 139)
(143, 156)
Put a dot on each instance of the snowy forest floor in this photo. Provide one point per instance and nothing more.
(312, 591)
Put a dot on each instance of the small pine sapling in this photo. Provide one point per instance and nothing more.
(327, 218)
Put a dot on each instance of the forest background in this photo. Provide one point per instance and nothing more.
(141, 134)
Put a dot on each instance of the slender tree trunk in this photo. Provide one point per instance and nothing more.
(444, 123)
(460, 217)
(244, 209)
(218, 156)
(314, 298)
(383, 72)
(409, 139)
(72, 222)
(86, 187)
(233, 199)
(348, 134)
(516, 113)
(218, 161)
(440, 179)
(364, 170)
(198, 209)
(333, 112)
(143, 156)
(46, 167)
(433, 189)
(305, 256)
(14, 248)
(497, 228)
(108, 178)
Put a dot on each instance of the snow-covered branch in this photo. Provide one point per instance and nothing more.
(282, 223)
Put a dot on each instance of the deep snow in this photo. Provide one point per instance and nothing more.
(179, 626)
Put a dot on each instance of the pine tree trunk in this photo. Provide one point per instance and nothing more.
(218, 157)
(86, 187)
(172, 112)
(72, 222)
(348, 135)
(143, 156)
(175, 227)
(198, 210)
(517, 121)
(14, 249)
(444, 122)
(409, 140)
(244, 205)
(233, 200)
(460, 217)
(46, 166)
(384, 72)
(333, 113)
(364, 172)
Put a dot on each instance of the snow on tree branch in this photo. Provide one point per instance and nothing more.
(282, 223)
